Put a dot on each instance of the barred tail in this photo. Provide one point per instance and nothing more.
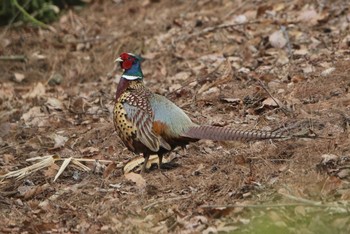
(229, 134)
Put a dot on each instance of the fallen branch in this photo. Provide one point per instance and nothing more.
(20, 58)
(220, 26)
(300, 199)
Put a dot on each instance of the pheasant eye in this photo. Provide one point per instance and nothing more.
(124, 56)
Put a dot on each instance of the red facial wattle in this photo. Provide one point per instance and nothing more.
(127, 61)
(124, 56)
(127, 64)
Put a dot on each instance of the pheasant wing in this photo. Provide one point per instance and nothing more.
(143, 122)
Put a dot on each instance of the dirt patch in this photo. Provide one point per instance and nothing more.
(216, 60)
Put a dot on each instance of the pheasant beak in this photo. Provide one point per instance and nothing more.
(118, 60)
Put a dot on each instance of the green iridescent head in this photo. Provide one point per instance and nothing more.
(131, 64)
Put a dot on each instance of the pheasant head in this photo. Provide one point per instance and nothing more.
(131, 64)
(132, 76)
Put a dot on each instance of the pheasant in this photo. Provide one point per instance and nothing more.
(149, 123)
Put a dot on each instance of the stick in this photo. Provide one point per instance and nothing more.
(20, 58)
(268, 92)
(220, 26)
(300, 199)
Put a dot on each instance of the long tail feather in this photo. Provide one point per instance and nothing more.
(229, 134)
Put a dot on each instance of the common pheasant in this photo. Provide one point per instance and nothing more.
(149, 123)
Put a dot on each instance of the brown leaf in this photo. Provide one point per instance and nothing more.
(54, 104)
(136, 178)
(51, 171)
(35, 191)
(234, 101)
(277, 39)
(109, 169)
(59, 140)
(34, 117)
(7, 158)
(37, 91)
(19, 77)
(6, 91)
(5, 129)
(89, 151)
(273, 102)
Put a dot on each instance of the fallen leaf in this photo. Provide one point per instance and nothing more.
(37, 56)
(89, 151)
(328, 157)
(234, 101)
(138, 161)
(328, 71)
(37, 91)
(136, 178)
(54, 104)
(7, 158)
(108, 171)
(308, 69)
(5, 129)
(98, 168)
(298, 78)
(309, 16)
(19, 77)
(181, 76)
(59, 140)
(277, 39)
(6, 91)
(35, 190)
(240, 19)
(34, 117)
(343, 173)
(51, 171)
(271, 102)
(300, 210)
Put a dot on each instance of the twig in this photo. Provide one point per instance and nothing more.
(220, 26)
(20, 58)
(268, 92)
(236, 9)
(92, 39)
(300, 199)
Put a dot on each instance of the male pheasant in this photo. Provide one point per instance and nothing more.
(149, 123)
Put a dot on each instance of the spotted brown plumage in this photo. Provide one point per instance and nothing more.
(149, 123)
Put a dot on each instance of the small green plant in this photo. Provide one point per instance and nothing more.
(37, 12)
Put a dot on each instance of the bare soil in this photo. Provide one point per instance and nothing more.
(224, 62)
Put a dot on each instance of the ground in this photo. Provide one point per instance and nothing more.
(244, 64)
